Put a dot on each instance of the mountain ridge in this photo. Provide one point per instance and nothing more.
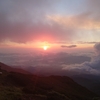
(11, 69)
(33, 87)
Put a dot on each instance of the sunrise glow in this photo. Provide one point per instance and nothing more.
(45, 47)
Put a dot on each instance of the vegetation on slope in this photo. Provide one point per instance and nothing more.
(17, 86)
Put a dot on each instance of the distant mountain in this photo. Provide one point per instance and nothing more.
(92, 82)
(18, 86)
(10, 69)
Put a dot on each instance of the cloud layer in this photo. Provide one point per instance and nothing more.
(46, 20)
(92, 67)
(62, 62)
(23, 21)
(70, 46)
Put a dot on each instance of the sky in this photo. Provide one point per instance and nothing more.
(58, 24)
(48, 26)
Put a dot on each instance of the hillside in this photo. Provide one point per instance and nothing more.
(91, 82)
(10, 69)
(18, 86)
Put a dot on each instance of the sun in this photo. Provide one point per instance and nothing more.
(45, 47)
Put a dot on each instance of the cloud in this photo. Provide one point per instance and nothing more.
(23, 21)
(82, 42)
(93, 7)
(38, 58)
(92, 67)
(70, 46)
(80, 21)
(42, 20)
(97, 48)
(82, 27)
(83, 68)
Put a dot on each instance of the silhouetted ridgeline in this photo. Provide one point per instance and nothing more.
(18, 86)
(91, 82)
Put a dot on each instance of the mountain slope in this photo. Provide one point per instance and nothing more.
(18, 86)
(10, 69)
(50, 88)
(91, 82)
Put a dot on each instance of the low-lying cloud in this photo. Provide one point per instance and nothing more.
(69, 46)
(62, 62)
(92, 67)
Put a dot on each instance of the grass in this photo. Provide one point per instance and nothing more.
(16, 86)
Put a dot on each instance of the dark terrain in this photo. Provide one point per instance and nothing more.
(19, 86)
(91, 82)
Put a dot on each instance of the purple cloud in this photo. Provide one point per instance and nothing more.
(70, 46)
(92, 67)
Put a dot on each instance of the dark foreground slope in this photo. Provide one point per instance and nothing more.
(17, 86)
(92, 82)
